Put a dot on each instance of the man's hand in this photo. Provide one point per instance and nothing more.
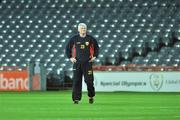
(73, 60)
(92, 59)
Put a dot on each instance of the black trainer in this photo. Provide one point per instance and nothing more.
(76, 101)
(91, 100)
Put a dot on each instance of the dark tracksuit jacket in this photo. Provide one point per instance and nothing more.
(83, 49)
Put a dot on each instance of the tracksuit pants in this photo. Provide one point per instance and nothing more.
(81, 69)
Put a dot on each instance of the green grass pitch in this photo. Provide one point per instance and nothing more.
(107, 106)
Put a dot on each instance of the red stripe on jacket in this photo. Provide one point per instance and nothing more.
(74, 51)
(91, 50)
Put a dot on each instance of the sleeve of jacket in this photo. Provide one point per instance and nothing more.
(96, 47)
(69, 48)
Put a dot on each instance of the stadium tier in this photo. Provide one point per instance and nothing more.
(128, 31)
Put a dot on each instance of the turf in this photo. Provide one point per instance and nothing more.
(107, 106)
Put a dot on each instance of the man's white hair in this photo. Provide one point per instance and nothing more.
(82, 25)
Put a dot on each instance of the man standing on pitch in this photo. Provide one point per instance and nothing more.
(82, 50)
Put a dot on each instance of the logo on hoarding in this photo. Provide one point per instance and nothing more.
(9, 82)
(156, 81)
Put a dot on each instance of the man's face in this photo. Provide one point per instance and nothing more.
(82, 30)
